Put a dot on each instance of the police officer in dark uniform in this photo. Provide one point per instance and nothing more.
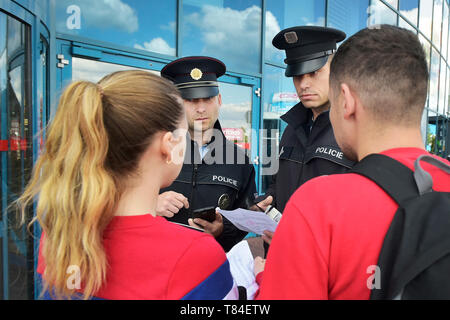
(216, 172)
(308, 148)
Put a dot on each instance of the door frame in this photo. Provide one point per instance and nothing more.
(36, 30)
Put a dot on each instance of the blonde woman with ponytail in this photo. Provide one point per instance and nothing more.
(109, 150)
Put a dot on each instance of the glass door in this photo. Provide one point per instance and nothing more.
(16, 155)
(239, 114)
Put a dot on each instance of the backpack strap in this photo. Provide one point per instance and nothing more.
(393, 177)
(423, 179)
(400, 258)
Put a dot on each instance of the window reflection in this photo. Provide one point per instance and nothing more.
(402, 23)
(424, 124)
(225, 29)
(279, 97)
(147, 25)
(445, 31)
(442, 91)
(437, 23)
(42, 90)
(379, 13)
(236, 114)
(447, 95)
(434, 80)
(289, 13)
(94, 71)
(410, 10)
(393, 3)
(425, 17)
(427, 48)
(437, 130)
(347, 15)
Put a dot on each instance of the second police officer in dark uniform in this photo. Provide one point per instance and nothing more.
(216, 172)
(308, 148)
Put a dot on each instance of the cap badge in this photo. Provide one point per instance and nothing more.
(291, 37)
(196, 74)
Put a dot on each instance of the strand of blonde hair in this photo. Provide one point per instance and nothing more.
(74, 192)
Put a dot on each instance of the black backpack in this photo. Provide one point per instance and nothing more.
(414, 261)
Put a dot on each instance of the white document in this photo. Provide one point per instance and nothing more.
(241, 267)
(250, 221)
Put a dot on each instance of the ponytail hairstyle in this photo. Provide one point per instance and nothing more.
(94, 143)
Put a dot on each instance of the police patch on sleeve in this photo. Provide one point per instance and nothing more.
(336, 153)
(330, 153)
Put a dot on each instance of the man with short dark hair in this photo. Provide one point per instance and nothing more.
(329, 239)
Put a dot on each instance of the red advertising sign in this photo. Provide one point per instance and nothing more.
(233, 134)
(243, 145)
(14, 143)
(3, 145)
(23, 144)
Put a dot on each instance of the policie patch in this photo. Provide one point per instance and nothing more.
(329, 153)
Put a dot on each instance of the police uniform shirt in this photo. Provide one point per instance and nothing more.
(215, 184)
(305, 156)
(203, 150)
(308, 126)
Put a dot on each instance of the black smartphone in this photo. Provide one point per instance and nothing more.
(208, 214)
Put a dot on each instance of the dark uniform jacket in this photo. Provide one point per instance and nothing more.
(308, 149)
(225, 178)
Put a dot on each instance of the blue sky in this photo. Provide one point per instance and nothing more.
(132, 23)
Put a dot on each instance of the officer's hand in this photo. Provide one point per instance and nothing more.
(214, 228)
(263, 204)
(267, 236)
(170, 203)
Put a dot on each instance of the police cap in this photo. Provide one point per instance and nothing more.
(195, 77)
(307, 48)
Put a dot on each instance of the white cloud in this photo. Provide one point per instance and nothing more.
(228, 32)
(105, 14)
(411, 15)
(237, 33)
(272, 29)
(89, 70)
(379, 13)
(171, 26)
(158, 45)
(319, 22)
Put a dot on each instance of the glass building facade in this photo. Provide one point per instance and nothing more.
(45, 44)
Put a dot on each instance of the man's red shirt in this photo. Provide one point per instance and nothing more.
(331, 235)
